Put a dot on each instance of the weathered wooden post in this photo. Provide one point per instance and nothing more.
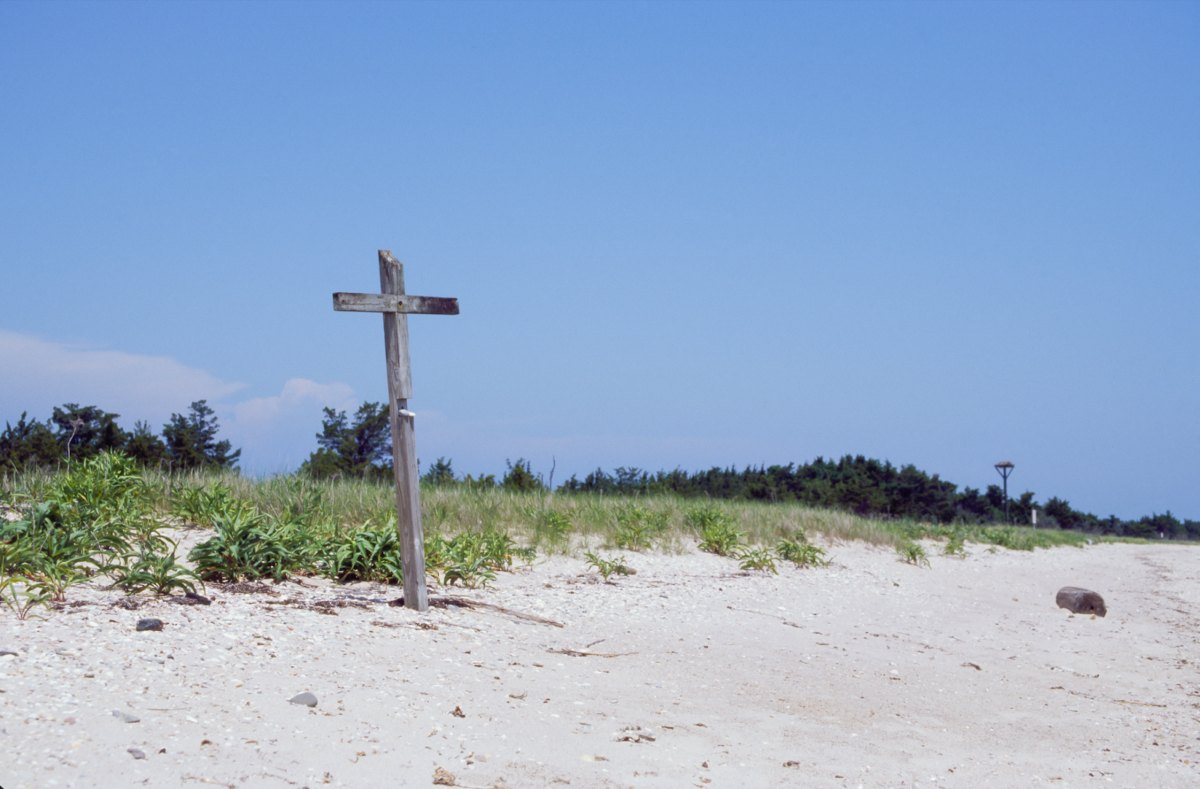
(396, 306)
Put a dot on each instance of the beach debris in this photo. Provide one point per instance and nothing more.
(1080, 601)
(788, 763)
(305, 699)
(635, 734)
(763, 613)
(443, 777)
(6, 653)
(227, 786)
(320, 606)
(969, 664)
(191, 598)
(381, 623)
(577, 653)
(125, 717)
(136, 753)
(340, 603)
(245, 588)
(479, 607)
(149, 624)
(457, 712)
(418, 625)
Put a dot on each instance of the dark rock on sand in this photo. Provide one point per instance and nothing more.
(149, 624)
(1080, 601)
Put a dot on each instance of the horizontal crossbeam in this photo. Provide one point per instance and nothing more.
(380, 302)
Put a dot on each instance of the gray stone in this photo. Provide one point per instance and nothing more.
(306, 699)
(137, 753)
(1080, 601)
(149, 624)
(125, 717)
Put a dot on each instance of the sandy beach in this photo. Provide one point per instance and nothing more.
(868, 672)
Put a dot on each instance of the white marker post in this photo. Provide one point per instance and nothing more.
(396, 306)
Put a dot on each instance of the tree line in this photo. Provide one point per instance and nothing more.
(360, 446)
(75, 432)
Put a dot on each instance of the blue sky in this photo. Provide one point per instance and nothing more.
(681, 234)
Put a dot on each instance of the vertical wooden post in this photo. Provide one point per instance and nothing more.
(404, 442)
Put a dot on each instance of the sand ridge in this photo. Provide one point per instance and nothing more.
(867, 673)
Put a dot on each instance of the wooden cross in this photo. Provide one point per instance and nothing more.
(396, 306)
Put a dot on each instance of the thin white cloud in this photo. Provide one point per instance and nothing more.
(277, 433)
(39, 374)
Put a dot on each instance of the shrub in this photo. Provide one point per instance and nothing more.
(362, 555)
(147, 569)
(201, 505)
(757, 559)
(954, 546)
(801, 554)
(716, 531)
(247, 545)
(607, 567)
(912, 553)
(637, 527)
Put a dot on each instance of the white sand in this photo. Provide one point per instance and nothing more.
(859, 674)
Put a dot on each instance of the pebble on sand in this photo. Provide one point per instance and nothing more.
(307, 699)
(149, 624)
(125, 717)
(137, 753)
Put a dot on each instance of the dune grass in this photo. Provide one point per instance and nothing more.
(549, 522)
(107, 517)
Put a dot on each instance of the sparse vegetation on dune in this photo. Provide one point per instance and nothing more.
(107, 516)
(100, 490)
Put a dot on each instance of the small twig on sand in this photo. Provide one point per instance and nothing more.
(1114, 701)
(208, 781)
(577, 653)
(423, 625)
(764, 613)
(475, 605)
